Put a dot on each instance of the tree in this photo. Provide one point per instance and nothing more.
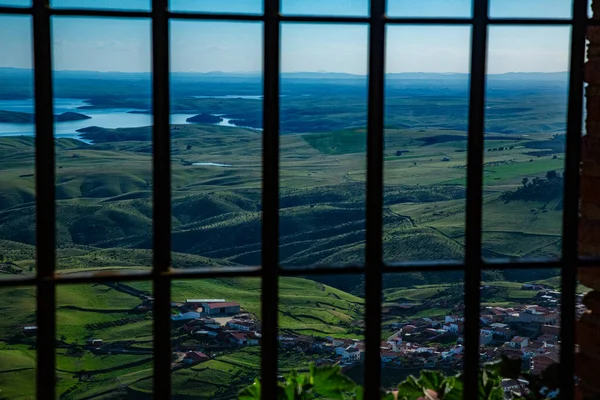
(550, 175)
(524, 181)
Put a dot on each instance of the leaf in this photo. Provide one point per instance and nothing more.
(330, 382)
(494, 366)
(287, 392)
(489, 386)
(387, 396)
(431, 380)
(359, 393)
(410, 389)
(452, 388)
(251, 392)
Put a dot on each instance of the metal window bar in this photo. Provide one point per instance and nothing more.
(270, 201)
(45, 208)
(473, 222)
(570, 254)
(161, 275)
(374, 228)
(161, 207)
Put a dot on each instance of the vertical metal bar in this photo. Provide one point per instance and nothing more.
(270, 201)
(45, 207)
(570, 255)
(374, 249)
(161, 199)
(473, 221)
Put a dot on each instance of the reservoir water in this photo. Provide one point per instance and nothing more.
(231, 96)
(104, 118)
(210, 164)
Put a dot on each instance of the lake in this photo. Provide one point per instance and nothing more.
(231, 96)
(104, 118)
(210, 164)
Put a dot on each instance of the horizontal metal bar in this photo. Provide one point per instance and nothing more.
(325, 19)
(529, 21)
(234, 272)
(100, 13)
(16, 280)
(16, 10)
(469, 21)
(293, 18)
(531, 263)
(214, 16)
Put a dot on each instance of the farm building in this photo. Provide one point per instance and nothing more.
(30, 330)
(201, 302)
(188, 316)
(226, 308)
(193, 357)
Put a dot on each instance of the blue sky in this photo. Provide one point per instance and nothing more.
(203, 46)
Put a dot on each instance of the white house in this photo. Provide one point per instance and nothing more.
(453, 318)
(186, 316)
(212, 334)
(253, 339)
(485, 339)
(238, 338)
(486, 331)
(453, 327)
(519, 342)
(388, 356)
(513, 385)
(335, 342)
(241, 325)
(529, 352)
(351, 354)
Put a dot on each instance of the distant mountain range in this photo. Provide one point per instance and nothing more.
(511, 76)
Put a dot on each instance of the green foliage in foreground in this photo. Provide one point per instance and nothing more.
(329, 383)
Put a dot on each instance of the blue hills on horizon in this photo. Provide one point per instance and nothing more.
(510, 76)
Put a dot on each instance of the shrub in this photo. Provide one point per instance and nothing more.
(537, 189)
(329, 383)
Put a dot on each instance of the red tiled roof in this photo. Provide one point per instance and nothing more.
(239, 335)
(197, 354)
(551, 329)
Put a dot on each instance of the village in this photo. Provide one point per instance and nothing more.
(530, 332)
(204, 329)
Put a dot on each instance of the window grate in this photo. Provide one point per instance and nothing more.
(161, 275)
(374, 226)
(570, 255)
(473, 223)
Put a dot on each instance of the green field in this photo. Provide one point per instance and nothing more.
(104, 223)
(104, 204)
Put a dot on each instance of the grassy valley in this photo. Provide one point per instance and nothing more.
(104, 222)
